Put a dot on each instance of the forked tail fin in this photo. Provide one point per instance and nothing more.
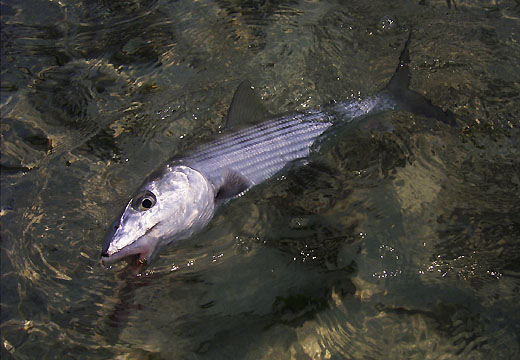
(409, 100)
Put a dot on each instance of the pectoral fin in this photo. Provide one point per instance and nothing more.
(233, 184)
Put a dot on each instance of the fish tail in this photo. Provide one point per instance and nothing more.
(409, 100)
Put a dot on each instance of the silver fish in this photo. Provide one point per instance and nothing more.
(181, 198)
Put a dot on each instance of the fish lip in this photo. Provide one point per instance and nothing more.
(139, 247)
(142, 246)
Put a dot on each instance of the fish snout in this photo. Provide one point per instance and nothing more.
(108, 238)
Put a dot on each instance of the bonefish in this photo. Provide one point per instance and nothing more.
(181, 198)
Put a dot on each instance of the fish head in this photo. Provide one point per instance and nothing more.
(169, 206)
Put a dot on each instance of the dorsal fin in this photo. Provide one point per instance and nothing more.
(245, 107)
(233, 184)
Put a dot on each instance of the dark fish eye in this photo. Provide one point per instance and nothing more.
(144, 201)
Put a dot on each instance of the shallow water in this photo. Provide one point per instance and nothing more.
(389, 244)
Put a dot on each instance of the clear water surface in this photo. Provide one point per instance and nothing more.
(401, 244)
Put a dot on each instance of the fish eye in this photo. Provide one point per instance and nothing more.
(144, 201)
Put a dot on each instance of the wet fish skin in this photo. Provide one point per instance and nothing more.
(182, 196)
(184, 203)
(189, 189)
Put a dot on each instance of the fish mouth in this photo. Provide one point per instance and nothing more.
(141, 249)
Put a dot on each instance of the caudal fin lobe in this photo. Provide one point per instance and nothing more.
(409, 100)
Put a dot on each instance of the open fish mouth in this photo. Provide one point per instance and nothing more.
(141, 250)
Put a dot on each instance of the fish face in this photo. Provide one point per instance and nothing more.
(170, 207)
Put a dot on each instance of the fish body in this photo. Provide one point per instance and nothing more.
(181, 197)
